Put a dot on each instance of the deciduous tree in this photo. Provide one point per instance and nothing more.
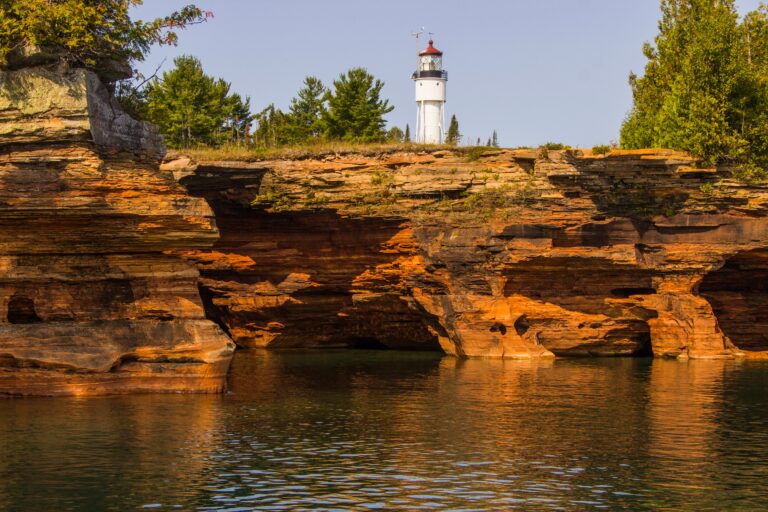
(90, 33)
(703, 89)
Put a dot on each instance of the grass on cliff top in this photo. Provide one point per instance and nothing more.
(314, 150)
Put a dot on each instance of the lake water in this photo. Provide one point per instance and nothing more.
(360, 430)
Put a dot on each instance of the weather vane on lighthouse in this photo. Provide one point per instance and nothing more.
(430, 79)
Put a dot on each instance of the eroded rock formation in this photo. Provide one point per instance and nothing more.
(517, 254)
(91, 299)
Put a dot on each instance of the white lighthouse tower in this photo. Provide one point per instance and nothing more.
(430, 79)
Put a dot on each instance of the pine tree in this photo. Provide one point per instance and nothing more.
(453, 136)
(407, 137)
(478, 142)
(355, 108)
(495, 139)
(307, 110)
(273, 128)
(696, 84)
(488, 142)
(237, 119)
(191, 107)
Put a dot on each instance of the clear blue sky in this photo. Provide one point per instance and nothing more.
(535, 70)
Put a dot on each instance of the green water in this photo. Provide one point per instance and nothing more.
(363, 430)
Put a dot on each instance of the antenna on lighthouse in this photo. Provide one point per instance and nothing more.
(417, 35)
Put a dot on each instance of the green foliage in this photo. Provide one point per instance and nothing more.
(274, 197)
(454, 136)
(193, 108)
(707, 189)
(275, 128)
(494, 140)
(382, 177)
(407, 136)
(307, 110)
(705, 87)
(352, 112)
(475, 153)
(355, 108)
(495, 201)
(395, 134)
(601, 149)
(88, 32)
(750, 173)
(555, 146)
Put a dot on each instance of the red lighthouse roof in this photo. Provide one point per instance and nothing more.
(431, 50)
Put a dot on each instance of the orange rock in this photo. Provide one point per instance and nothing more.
(510, 254)
(91, 299)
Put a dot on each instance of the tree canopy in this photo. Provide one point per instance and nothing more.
(355, 108)
(191, 107)
(307, 110)
(88, 32)
(704, 86)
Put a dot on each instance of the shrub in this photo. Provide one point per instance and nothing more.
(556, 146)
(603, 149)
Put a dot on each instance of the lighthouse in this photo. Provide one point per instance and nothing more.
(430, 79)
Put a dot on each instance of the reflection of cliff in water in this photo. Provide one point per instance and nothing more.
(340, 429)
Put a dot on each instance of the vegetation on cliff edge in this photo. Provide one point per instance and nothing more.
(705, 87)
(90, 33)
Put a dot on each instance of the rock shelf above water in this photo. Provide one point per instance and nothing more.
(499, 253)
(91, 300)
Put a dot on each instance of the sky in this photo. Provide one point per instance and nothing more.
(535, 71)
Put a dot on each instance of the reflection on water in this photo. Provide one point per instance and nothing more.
(366, 430)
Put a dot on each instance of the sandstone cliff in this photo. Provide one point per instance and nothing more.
(503, 253)
(91, 300)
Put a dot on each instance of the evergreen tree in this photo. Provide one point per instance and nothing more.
(697, 93)
(273, 128)
(355, 109)
(453, 137)
(307, 110)
(495, 139)
(407, 137)
(488, 142)
(191, 107)
(237, 120)
(478, 142)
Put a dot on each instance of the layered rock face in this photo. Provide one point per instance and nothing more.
(91, 299)
(504, 253)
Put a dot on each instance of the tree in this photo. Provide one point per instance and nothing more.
(191, 107)
(307, 110)
(237, 120)
(355, 108)
(495, 139)
(395, 134)
(274, 128)
(453, 136)
(89, 33)
(700, 91)
(407, 137)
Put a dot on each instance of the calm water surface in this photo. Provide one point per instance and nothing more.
(398, 431)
